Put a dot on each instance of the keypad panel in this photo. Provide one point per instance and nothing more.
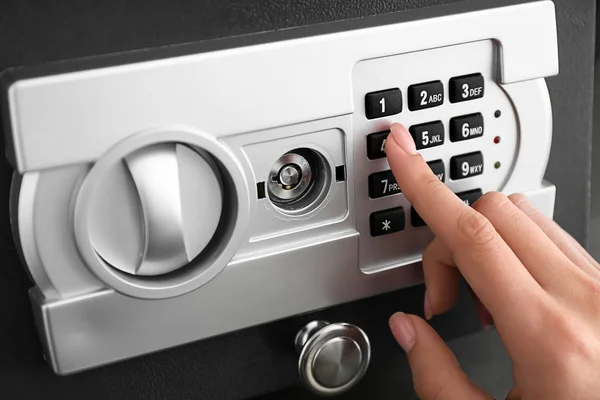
(451, 113)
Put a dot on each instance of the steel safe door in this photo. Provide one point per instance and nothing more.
(153, 200)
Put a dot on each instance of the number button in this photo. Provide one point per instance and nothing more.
(382, 184)
(470, 196)
(438, 168)
(376, 144)
(428, 135)
(425, 95)
(466, 165)
(387, 221)
(415, 218)
(464, 88)
(466, 127)
(383, 103)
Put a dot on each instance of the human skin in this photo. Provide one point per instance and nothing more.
(531, 280)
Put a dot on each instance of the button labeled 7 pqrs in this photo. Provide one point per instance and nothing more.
(382, 184)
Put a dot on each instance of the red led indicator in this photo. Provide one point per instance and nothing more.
(497, 139)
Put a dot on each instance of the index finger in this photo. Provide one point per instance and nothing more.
(488, 264)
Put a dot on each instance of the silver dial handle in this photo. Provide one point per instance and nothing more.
(158, 210)
(333, 357)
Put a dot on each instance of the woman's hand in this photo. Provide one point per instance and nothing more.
(535, 283)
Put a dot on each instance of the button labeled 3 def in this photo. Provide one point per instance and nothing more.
(465, 88)
(387, 221)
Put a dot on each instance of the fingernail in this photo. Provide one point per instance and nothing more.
(427, 307)
(403, 330)
(487, 321)
(403, 138)
(485, 318)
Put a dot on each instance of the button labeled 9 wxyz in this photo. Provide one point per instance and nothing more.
(466, 165)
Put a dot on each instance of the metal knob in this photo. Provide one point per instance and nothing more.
(333, 357)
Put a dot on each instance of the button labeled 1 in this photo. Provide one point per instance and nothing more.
(383, 103)
(387, 221)
(466, 165)
(428, 135)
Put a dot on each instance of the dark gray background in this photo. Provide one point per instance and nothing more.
(261, 360)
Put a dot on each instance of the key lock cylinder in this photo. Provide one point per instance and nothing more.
(298, 181)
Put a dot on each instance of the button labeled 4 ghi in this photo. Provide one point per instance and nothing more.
(376, 144)
(387, 221)
(428, 135)
(382, 184)
(466, 165)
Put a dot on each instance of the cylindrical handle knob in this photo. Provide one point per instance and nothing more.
(333, 357)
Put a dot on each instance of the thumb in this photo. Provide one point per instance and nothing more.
(436, 373)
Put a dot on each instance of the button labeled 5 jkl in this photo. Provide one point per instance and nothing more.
(466, 165)
(428, 135)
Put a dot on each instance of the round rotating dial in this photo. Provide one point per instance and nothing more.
(157, 210)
